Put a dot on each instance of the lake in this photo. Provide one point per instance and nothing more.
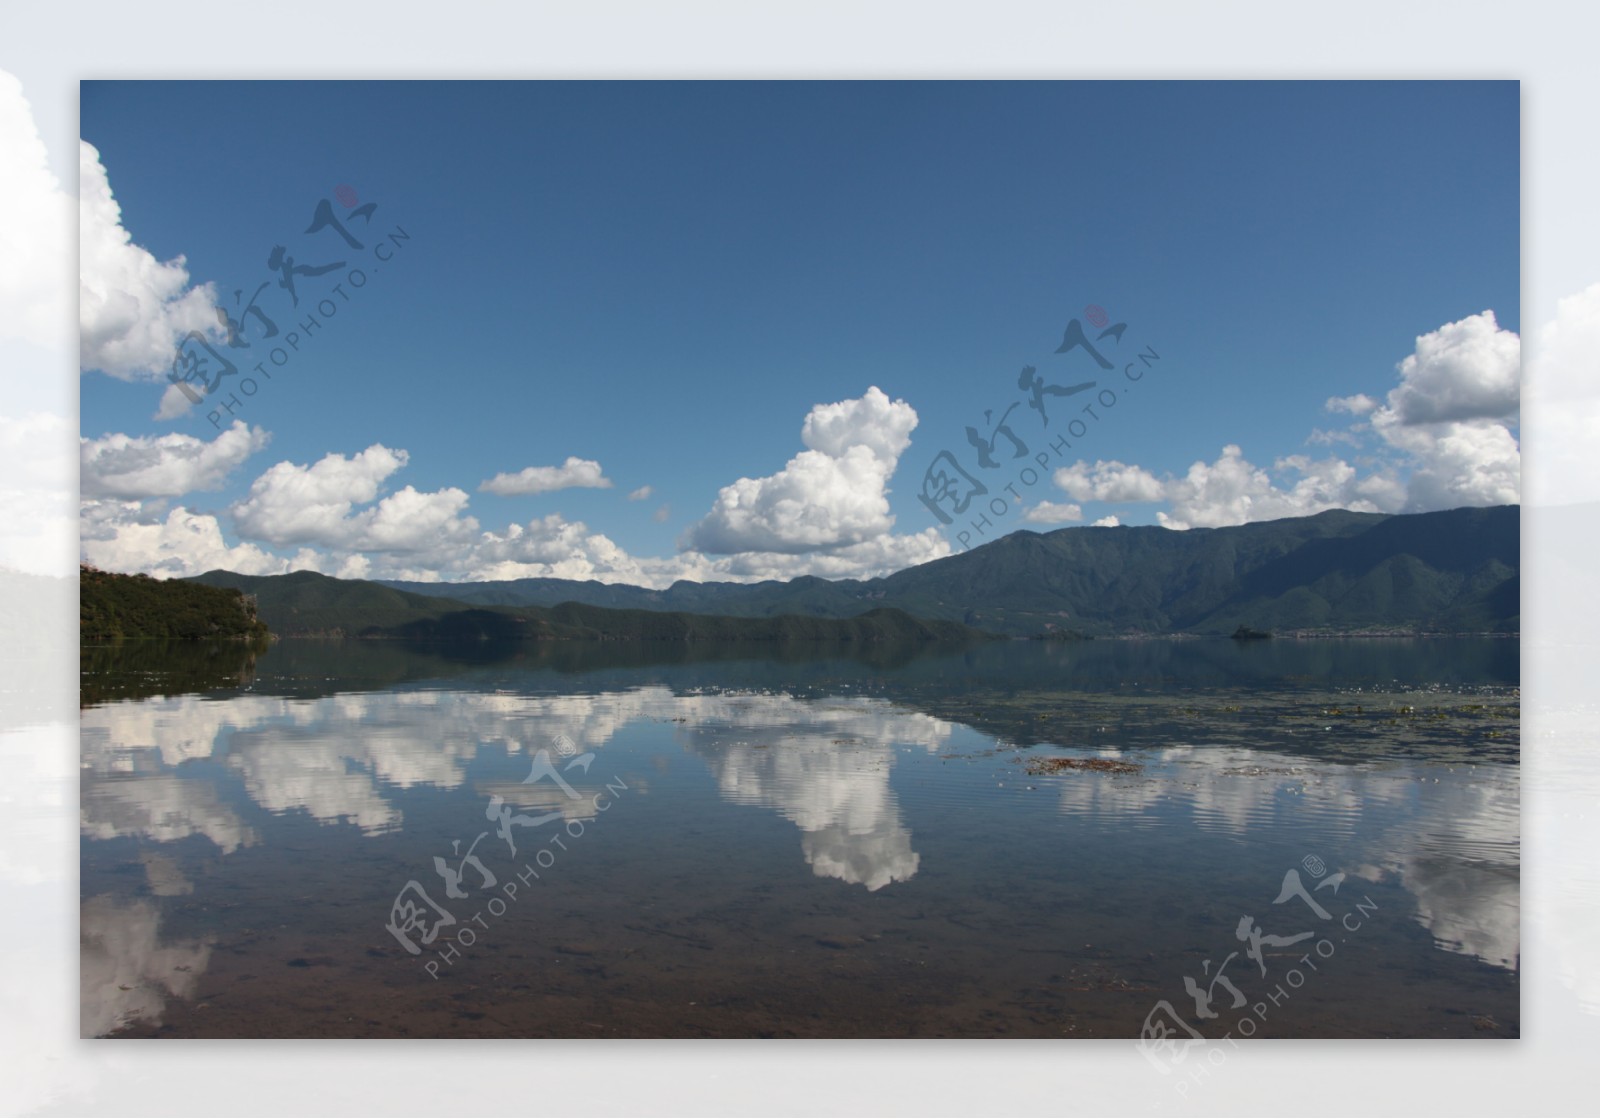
(1180, 838)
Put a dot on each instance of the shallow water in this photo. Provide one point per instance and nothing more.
(743, 846)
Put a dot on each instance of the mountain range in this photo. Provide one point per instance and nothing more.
(308, 604)
(1453, 571)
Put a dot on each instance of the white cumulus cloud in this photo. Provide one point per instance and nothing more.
(1451, 416)
(315, 505)
(1564, 400)
(882, 555)
(556, 548)
(36, 492)
(1466, 370)
(1442, 438)
(1455, 464)
(335, 510)
(575, 473)
(1358, 405)
(174, 403)
(642, 493)
(37, 431)
(126, 536)
(1054, 513)
(1233, 491)
(35, 226)
(1108, 481)
(832, 495)
(164, 466)
(132, 308)
(553, 547)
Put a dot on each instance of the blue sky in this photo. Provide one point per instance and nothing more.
(665, 279)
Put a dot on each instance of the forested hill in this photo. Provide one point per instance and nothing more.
(306, 604)
(113, 607)
(1453, 571)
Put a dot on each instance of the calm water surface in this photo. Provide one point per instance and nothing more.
(738, 845)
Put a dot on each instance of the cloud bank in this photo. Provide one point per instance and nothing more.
(1442, 438)
(826, 513)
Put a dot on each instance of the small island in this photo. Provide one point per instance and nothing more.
(1245, 633)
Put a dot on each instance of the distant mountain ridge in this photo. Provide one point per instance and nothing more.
(307, 604)
(1452, 571)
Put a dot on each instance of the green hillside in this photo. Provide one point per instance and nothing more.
(1452, 571)
(306, 604)
(113, 607)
